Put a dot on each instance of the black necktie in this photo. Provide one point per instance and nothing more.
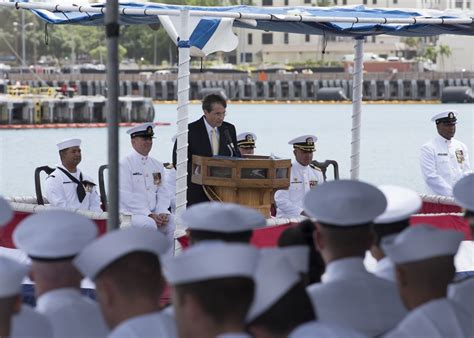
(81, 192)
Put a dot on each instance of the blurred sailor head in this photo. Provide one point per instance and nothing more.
(402, 203)
(142, 137)
(463, 192)
(125, 266)
(214, 109)
(446, 123)
(221, 221)
(246, 142)
(303, 148)
(344, 211)
(212, 287)
(278, 288)
(52, 239)
(424, 259)
(6, 212)
(70, 153)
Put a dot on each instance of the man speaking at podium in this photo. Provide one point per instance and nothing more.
(209, 136)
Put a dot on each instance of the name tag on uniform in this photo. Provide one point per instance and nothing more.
(442, 154)
(137, 174)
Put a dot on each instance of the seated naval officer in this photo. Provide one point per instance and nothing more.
(221, 221)
(212, 288)
(402, 203)
(67, 187)
(143, 192)
(304, 177)
(444, 160)
(424, 263)
(246, 143)
(462, 290)
(125, 266)
(348, 294)
(52, 239)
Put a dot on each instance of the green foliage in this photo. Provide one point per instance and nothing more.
(431, 53)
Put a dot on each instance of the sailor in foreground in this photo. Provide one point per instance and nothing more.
(212, 288)
(52, 239)
(462, 290)
(125, 265)
(142, 190)
(423, 274)
(221, 221)
(67, 187)
(402, 203)
(304, 177)
(349, 295)
(246, 143)
(444, 160)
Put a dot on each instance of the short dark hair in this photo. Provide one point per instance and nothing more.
(291, 310)
(223, 299)
(231, 237)
(209, 100)
(382, 230)
(350, 240)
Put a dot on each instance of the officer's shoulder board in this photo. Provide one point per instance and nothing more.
(314, 167)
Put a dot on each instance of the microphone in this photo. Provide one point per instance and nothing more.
(230, 144)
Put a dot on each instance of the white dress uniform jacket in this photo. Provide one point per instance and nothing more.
(149, 325)
(61, 192)
(437, 318)
(349, 296)
(289, 202)
(142, 188)
(385, 269)
(464, 259)
(318, 329)
(462, 293)
(443, 162)
(28, 324)
(170, 181)
(71, 314)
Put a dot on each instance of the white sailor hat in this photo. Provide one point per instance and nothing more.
(448, 116)
(422, 241)
(68, 143)
(110, 247)
(222, 217)
(143, 130)
(11, 276)
(304, 142)
(6, 212)
(401, 204)
(274, 276)
(463, 192)
(54, 235)
(297, 256)
(345, 203)
(211, 260)
(246, 140)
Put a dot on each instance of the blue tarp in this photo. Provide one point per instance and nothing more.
(341, 29)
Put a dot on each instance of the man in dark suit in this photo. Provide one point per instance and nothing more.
(209, 136)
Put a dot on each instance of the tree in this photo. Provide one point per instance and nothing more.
(431, 53)
(444, 52)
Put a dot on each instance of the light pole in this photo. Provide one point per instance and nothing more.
(23, 37)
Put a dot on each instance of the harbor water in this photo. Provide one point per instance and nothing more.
(390, 139)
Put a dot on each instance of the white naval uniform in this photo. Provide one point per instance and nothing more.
(443, 162)
(170, 181)
(318, 329)
(61, 192)
(149, 325)
(289, 202)
(71, 314)
(462, 293)
(464, 258)
(351, 297)
(28, 324)
(385, 269)
(437, 318)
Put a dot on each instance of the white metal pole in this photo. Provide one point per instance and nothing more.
(23, 41)
(357, 106)
(182, 122)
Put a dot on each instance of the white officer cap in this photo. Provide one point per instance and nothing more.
(304, 142)
(211, 260)
(297, 256)
(54, 234)
(401, 204)
(144, 129)
(448, 116)
(463, 192)
(68, 143)
(114, 245)
(222, 217)
(273, 277)
(421, 242)
(6, 212)
(246, 139)
(11, 276)
(345, 203)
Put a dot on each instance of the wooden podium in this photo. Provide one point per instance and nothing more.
(251, 180)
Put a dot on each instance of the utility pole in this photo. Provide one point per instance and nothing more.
(23, 40)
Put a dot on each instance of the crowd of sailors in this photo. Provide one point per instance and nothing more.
(313, 284)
